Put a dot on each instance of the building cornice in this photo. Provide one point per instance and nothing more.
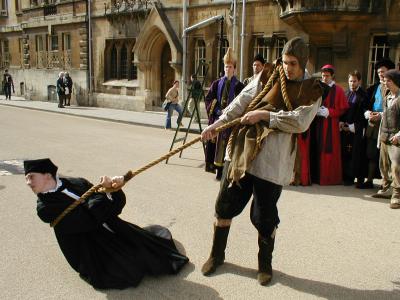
(52, 20)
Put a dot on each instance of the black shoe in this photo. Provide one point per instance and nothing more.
(210, 168)
(219, 173)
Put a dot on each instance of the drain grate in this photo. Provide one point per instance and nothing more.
(11, 167)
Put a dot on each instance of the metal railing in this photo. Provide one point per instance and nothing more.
(321, 6)
(5, 60)
(41, 59)
(54, 59)
(66, 59)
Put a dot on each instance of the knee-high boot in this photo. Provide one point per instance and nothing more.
(217, 255)
(266, 247)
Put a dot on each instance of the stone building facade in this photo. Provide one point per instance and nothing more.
(137, 47)
(39, 39)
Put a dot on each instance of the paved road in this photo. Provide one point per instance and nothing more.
(333, 242)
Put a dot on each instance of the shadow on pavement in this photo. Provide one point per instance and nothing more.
(200, 166)
(80, 107)
(166, 287)
(338, 191)
(333, 291)
(314, 287)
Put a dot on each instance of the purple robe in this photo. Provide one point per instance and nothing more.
(215, 149)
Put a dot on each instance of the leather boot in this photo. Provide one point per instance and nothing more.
(217, 255)
(266, 247)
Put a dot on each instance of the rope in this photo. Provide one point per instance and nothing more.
(253, 103)
(130, 174)
(278, 72)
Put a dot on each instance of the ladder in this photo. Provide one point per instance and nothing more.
(192, 114)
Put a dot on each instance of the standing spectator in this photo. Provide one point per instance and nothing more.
(220, 95)
(61, 89)
(258, 66)
(327, 131)
(172, 97)
(8, 83)
(197, 92)
(352, 132)
(376, 95)
(390, 134)
(68, 89)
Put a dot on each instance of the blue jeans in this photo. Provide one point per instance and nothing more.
(172, 107)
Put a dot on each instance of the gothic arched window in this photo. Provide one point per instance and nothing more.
(200, 56)
(220, 55)
(113, 63)
(133, 73)
(124, 63)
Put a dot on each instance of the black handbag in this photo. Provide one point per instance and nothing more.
(165, 105)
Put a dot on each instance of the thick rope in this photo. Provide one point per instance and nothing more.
(253, 103)
(278, 72)
(213, 104)
(130, 174)
(286, 99)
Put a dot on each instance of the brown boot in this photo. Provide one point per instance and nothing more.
(217, 255)
(266, 247)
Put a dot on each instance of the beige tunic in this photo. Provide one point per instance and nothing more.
(275, 161)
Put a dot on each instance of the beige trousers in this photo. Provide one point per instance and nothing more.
(389, 165)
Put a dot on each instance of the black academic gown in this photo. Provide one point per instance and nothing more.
(354, 144)
(105, 250)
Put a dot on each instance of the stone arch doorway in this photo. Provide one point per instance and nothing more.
(157, 70)
(167, 72)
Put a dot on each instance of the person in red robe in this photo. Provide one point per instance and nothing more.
(327, 133)
(301, 170)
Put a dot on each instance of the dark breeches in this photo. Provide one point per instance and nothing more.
(233, 199)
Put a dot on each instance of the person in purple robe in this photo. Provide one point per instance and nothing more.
(221, 94)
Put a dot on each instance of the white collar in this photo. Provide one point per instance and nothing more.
(59, 184)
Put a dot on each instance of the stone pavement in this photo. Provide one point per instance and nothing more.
(148, 118)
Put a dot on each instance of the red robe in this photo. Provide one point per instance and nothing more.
(328, 137)
(303, 144)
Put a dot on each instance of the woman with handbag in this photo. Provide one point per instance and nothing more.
(171, 103)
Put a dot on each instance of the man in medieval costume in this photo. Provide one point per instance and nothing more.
(263, 173)
(106, 251)
(328, 164)
(220, 95)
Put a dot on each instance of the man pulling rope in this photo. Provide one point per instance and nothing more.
(263, 173)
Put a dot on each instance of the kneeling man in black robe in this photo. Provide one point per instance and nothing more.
(107, 252)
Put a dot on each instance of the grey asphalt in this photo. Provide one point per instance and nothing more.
(334, 242)
(148, 118)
